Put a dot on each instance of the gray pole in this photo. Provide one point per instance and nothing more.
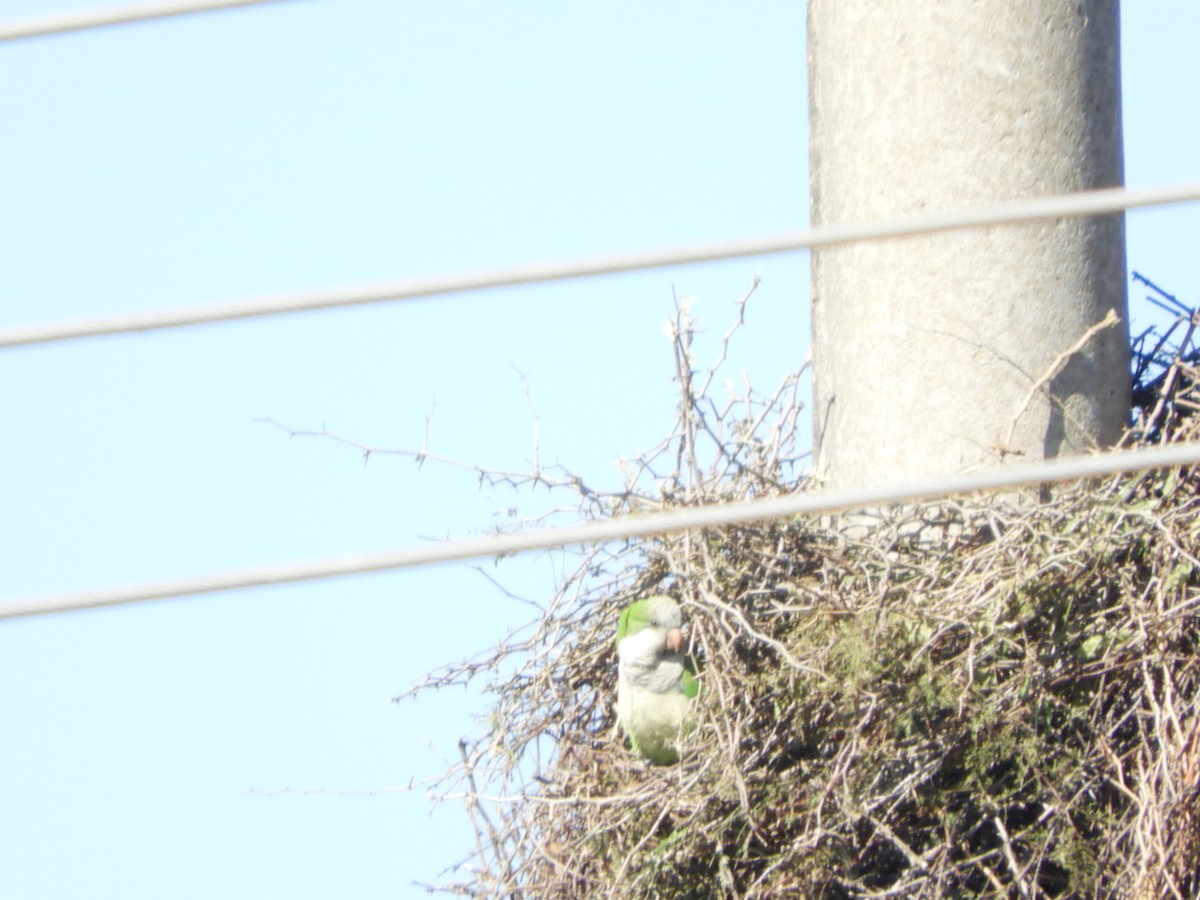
(925, 349)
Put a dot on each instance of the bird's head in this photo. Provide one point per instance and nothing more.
(657, 621)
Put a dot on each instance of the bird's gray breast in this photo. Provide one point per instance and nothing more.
(660, 674)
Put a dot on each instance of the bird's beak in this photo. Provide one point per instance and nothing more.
(675, 640)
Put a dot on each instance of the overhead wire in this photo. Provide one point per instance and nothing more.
(642, 525)
(1021, 211)
(1110, 200)
(60, 23)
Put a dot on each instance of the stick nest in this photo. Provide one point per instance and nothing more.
(1009, 710)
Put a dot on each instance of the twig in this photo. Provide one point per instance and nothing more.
(1011, 859)
(1056, 366)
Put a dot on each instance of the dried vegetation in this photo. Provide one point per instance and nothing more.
(1009, 711)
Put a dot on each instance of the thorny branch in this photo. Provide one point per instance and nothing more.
(1015, 712)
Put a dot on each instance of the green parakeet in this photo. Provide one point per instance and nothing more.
(656, 680)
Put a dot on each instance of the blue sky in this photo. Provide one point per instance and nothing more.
(315, 143)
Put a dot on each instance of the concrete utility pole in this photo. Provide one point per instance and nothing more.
(925, 349)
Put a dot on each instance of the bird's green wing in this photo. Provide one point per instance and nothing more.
(689, 683)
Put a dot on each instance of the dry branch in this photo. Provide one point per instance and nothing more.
(1010, 714)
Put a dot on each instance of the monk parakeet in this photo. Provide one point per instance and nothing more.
(656, 681)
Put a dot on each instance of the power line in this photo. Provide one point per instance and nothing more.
(1058, 206)
(645, 525)
(114, 15)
